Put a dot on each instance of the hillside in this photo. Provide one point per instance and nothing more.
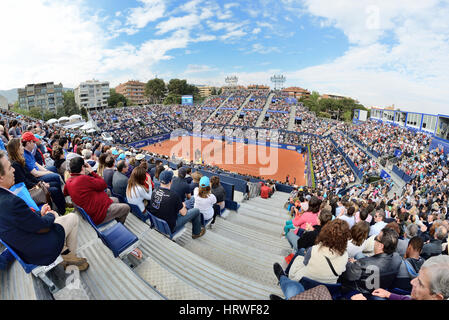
(12, 94)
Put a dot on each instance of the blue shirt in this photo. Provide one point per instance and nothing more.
(30, 161)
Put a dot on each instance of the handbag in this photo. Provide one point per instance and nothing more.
(40, 194)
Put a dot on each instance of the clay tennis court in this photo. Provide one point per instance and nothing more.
(269, 163)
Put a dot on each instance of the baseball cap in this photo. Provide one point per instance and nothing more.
(204, 182)
(121, 156)
(140, 156)
(38, 136)
(166, 176)
(29, 136)
(115, 152)
(308, 197)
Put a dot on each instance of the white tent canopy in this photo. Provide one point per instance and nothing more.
(75, 117)
(51, 121)
(91, 130)
(64, 119)
(87, 126)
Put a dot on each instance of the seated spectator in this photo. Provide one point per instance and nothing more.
(326, 260)
(196, 176)
(348, 216)
(359, 236)
(158, 171)
(119, 179)
(301, 221)
(411, 265)
(101, 164)
(218, 191)
(411, 231)
(379, 223)
(59, 160)
(204, 200)
(358, 274)
(22, 174)
(189, 175)
(434, 247)
(137, 192)
(180, 186)
(265, 191)
(89, 157)
(29, 143)
(167, 205)
(87, 190)
(432, 283)
(109, 170)
(37, 237)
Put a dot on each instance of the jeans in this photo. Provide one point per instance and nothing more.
(53, 179)
(52, 169)
(58, 199)
(300, 252)
(192, 215)
(292, 239)
(290, 288)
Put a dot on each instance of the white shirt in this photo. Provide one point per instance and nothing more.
(377, 228)
(349, 220)
(205, 205)
(137, 195)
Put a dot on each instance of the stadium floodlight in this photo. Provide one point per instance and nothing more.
(278, 81)
(232, 80)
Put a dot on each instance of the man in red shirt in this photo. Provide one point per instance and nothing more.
(265, 191)
(87, 190)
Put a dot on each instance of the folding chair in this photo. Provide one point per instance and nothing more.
(117, 238)
(162, 227)
(37, 271)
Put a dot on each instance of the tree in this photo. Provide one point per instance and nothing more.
(36, 112)
(213, 91)
(84, 113)
(155, 90)
(173, 98)
(116, 99)
(70, 107)
(49, 115)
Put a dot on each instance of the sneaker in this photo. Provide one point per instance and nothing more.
(81, 267)
(278, 271)
(196, 236)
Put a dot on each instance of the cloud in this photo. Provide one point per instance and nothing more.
(259, 48)
(256, 30)
(151, 10)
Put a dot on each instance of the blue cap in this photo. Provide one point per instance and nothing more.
(114, 152)
(166, 176)
(121, 156)
(38, 136)
(204, 182)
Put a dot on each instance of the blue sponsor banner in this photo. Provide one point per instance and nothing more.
(397, 153)
(384, 175)
(291, 100)
(440, 144)
(252, 109)
(277, 111)
(223, 108)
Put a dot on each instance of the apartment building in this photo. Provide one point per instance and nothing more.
(134, 91)
(92, 94)
(46, 96)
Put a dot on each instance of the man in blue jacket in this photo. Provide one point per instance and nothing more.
(37, 237)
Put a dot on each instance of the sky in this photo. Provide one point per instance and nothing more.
(379, 52)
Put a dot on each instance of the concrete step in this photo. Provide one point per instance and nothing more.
(256, 224)
(201, 273)
(272, 217)
(233, 256)
(264, 110)
(109, 278)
